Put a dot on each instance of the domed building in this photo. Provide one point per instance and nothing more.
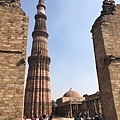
(72, 105)
(72, 93)
(69, 105)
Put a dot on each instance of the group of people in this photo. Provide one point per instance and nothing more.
(44, 117)
(86, 118)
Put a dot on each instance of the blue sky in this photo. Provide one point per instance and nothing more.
(70, 43)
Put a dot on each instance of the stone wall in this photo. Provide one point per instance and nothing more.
(93, 105)
(13, 45)
(106, 40)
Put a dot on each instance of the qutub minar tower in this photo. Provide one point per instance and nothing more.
(37, 92)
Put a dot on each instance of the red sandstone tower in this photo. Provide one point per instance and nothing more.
(37, 92)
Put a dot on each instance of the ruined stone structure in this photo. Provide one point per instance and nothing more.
(106, 40)
(38, 93)
(10, 3)
(13, 43)
(69, 105)
(92, 105)
(72, 105)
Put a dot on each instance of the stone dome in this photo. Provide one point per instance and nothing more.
(72, 93)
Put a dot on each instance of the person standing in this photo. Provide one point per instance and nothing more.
(24, 117)
(33, 117)
(40, 118)
(44, 117)
(50, 118)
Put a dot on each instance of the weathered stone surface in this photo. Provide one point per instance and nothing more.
(13, 44)
(10, 3)
(106, 40)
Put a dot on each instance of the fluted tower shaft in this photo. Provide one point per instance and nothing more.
(37, 92)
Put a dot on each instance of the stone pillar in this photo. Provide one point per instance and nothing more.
(106, 40)
(13, 46)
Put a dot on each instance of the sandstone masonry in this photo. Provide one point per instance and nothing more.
(13, 44)
(38, 92)
(106, 40)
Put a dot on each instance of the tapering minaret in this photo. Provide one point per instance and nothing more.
(37, 92)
